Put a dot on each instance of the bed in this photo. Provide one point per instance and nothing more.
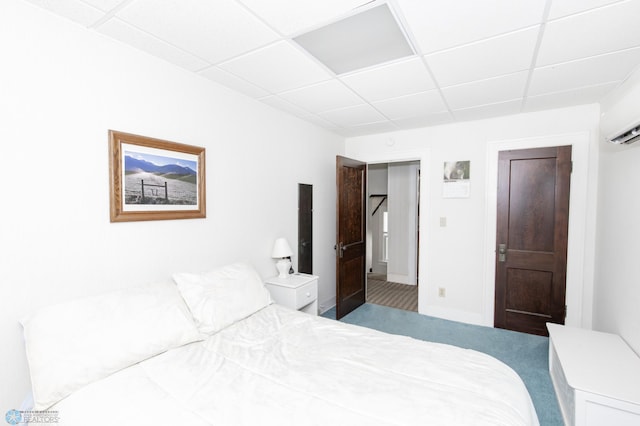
(212, 349)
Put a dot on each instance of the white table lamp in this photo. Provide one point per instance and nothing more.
(282, 251)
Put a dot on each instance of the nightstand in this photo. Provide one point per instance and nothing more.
(297, 291)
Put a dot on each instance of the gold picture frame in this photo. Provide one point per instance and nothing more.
(154, 179)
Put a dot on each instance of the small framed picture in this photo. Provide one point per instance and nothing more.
(154, 179)
(456, 179)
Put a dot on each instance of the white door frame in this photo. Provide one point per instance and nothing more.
(422, 155)
(579, 289)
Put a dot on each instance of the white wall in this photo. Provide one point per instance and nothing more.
(377, 177)
(459, 257)
(617, 291)
(63, 87)
(403, 217)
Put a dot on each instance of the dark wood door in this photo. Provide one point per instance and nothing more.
(351, 178)
(305, 228)
(531, 239)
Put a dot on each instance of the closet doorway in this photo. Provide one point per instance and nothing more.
(393, 193)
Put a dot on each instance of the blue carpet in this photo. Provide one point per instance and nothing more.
(527, 354)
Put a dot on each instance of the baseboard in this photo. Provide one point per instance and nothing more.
(454, 315)
(326, 305)
(401, 279)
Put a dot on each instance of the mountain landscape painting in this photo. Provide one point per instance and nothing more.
(155, 180)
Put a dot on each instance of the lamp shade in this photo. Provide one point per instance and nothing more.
(281, 249)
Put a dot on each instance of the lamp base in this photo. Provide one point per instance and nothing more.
(283, 266)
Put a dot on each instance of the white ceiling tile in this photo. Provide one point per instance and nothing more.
(284, 105)
(320, 122)
(213, 30)
(277, 68)
(485, 59)
(331, 94)
(420, 104)
(132, 36)
(587, 72)
(599, 31)
(478, 51)
(560, 8)
(233, 82)
(490, 91)
(75, 10)
(390, 81)
(438, 25)
(424, 120)
(368, 129)
(292, 16)
(353, 116)
(582, 95)
(488, 111)
(106, 5)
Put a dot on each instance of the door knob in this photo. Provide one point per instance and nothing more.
(502, 252)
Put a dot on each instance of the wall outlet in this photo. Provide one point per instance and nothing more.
(442, 292)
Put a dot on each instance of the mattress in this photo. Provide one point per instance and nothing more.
(280, 366)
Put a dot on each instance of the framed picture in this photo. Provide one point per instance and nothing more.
(153, 179)
(457, 183)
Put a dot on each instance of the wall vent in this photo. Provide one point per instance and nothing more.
(626, 137)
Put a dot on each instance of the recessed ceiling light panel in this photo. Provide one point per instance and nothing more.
(369, 38)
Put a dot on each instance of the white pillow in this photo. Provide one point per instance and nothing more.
(223, 296)
(78, 342)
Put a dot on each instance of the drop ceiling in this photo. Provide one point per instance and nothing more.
(468, 59)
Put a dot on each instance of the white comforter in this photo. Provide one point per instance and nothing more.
(287, 368)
